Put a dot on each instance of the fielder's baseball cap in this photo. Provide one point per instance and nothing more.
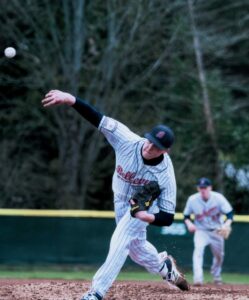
(161, 136)
(204, 182)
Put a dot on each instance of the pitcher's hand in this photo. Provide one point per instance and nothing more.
(56, 97)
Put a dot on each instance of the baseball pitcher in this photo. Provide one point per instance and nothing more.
(144, 193)
(208, 208)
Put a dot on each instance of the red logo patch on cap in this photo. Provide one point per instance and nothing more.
(160, 134)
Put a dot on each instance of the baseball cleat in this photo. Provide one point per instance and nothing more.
(174, 276)
(91, 296)
(218, 281)
(198, 284)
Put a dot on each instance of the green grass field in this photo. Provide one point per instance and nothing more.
(87, 274)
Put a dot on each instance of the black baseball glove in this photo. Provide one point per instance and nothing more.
(143, 197)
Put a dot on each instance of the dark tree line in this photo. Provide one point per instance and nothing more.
(183, 63)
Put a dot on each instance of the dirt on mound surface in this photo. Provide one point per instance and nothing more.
(121, 290)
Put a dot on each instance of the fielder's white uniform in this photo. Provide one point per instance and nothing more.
(208, 218)
(129, 237)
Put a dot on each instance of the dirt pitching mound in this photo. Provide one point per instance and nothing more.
(121, 290)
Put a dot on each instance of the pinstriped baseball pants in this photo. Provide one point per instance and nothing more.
(129, 238)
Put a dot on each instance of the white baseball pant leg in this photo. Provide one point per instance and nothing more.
(141, 251)
(127, 229)
(201, 240)
(145, 254)
(217, 248)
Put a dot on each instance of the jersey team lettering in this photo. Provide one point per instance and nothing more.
(130, 177)
(213, 213)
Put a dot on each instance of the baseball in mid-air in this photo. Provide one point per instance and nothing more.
(10, 52)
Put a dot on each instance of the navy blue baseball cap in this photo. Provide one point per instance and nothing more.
(204, 182)
(161, 136)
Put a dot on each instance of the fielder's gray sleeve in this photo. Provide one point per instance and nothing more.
(225, 206)
(188, 208)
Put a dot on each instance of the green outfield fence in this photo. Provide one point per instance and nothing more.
(82, 237)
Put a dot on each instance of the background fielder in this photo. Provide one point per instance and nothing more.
(138, 162)
(208, 207)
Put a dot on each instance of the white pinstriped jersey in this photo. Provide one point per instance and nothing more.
(208, 214)
(129, 237)
(130, 170)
